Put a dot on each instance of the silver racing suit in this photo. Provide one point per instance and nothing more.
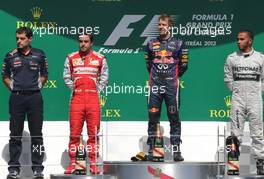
(244, 76)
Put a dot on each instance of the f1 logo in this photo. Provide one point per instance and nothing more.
(122, 30)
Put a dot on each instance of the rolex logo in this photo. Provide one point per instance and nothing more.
(228, 101)
(103, 100)
(36, 12)
(222, 113)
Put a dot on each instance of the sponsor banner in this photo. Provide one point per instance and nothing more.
(209, 35)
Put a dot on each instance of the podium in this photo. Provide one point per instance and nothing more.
(162, 170)
(150, 170)
(244, 177)
(168, 170)
(62, 176)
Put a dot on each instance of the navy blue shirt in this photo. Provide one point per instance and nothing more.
(25, 70)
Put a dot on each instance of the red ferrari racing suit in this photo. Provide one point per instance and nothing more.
(86, 75)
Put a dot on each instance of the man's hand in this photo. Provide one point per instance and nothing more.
(43, 80)
(7, 82)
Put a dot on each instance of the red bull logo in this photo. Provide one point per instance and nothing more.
(163, 56)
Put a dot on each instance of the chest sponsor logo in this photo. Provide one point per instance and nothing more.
(85, 70)
(17, 62)
(163, 66)
(94, 62)
(34, 56)
(163, 56)
(156, 45)
(77, 62)
(246, 68)
(32, 63)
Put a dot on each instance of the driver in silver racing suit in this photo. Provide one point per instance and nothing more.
(244, 76)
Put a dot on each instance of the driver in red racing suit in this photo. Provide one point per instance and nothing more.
(86, 73)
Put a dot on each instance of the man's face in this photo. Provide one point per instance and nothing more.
(85, 43)
(243, 41)
(164, 26)
(22, 40)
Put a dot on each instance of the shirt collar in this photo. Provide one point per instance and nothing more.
(248, 53)
(164, 40)
(21, 52)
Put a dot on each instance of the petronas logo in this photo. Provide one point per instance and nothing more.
(227, 100)
(103, 100)
(36, 12)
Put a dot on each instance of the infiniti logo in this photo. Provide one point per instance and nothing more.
(163, 66)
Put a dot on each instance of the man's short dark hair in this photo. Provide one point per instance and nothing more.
(166, 16)
(91, 36)
(25, 30)
(249, 32)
